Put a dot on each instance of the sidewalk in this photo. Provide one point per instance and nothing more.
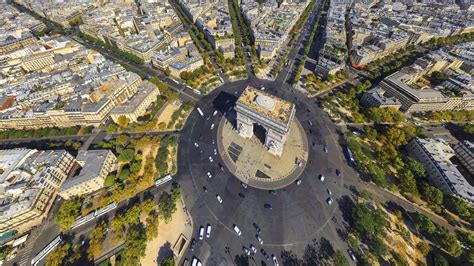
(162, 246)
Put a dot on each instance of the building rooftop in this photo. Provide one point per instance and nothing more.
(92, 162)
(262, 102)
(440, 153)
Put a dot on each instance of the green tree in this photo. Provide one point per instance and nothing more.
(424, 248)
(135, 245)
(379, 247)
(436, 77)
(407, 182)
(123, 121)
(458, 206)
(122, 140)
(151, 229)
(166, 206)
(168, 262)
(423, 223)
(4, 251)
(449, 242)
(469, 128)
(126, 155)
(431, 193)
(415, 167)
(59, 255)
(339, 259)
(367, 222)
(96, 241)
(439, 260)
(67, 213)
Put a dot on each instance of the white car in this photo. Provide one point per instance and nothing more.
(237, 230)
(196, 262)
(201, 233)
(210, 159)
(262, 88)
(275, 261)
(244, 185)
(209, 175)
(321, 177)
(246, 251)
(326, 149)
(219, 199)
(215, 151)
(215, 113)
(196, 144)
(212, 126)
(208, 231)
(259, 240)
(213, 142)
(329, 192)
(298, 182)
(329, 200)
(253, 249)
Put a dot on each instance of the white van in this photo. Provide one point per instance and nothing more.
(208, 231)
(201, 233)
(237, 230)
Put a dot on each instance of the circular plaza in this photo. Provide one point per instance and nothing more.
(250, 161)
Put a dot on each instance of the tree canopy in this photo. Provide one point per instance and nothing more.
(67, 213)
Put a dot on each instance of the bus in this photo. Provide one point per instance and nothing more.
(163, 180)
(45, 251)
(82, 220)
(105, 210)
(200, 111)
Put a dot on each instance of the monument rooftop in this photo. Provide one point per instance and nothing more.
(267, 104)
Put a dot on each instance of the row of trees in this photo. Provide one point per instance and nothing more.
(296, 31)
(162, 158)
(44, 132)
(310, 42)
(448, 116)
(126, 227)
(451, 40)
(114, 49)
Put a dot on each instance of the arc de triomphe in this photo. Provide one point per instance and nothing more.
(272, 113)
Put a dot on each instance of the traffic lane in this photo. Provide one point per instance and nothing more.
(226, 180)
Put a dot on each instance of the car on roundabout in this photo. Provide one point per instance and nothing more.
(237, 230)
(246, 251)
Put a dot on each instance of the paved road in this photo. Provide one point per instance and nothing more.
(299, 214)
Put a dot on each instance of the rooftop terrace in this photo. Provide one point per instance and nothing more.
(267, 104)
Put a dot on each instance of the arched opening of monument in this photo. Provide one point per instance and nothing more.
(260, 132)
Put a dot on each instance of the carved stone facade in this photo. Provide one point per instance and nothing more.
(273, 114)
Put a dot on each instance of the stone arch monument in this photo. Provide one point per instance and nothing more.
(272, 113)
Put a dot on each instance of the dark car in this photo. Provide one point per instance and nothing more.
(265, 254)
(273, 192)
(338, 173)
(257, 228)
(267, 206)
(193, 244)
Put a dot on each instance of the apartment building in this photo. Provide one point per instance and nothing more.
(138, 104)
(30, 181)
(465, 154)
(95, 167)
(435, 155)
(376, 98)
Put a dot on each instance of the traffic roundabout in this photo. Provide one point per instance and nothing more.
(289, 214)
